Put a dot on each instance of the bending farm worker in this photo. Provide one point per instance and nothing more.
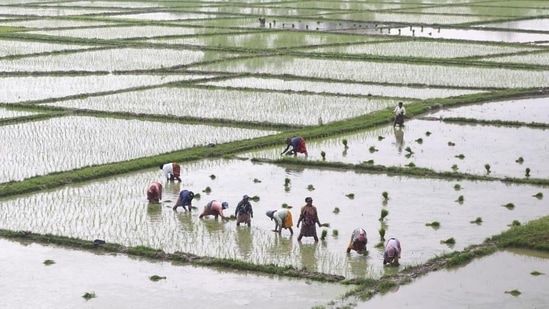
(171, 171)
(392, 252)
(297, 143)
(215, 208)
(358, 242)
(282, 218)
(309, 217)
(154, 192)
(184, 200)
(244, 211)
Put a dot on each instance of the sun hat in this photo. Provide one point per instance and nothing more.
(224, 205)
(269, 214)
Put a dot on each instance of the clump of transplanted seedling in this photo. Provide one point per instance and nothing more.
(369, 162)
(514, 223)
(520, 160)
(536, 273)
(454, 167)
(345, 143)
(380, 138)
(457, 187)
(538, 195)
(385, 195)
(460, 199)
(419, 140)
(88, 295)
(323, 234)
(156, 278)
(383, 215)
(449, 241)
(255, 198)
(428, 133)
(284, 205)
(336, 210)
(335, 233)
(381, 232)
(513, 292)
(509, 206)
(197, 196)
(487, 167)
(460, 156)
(451, 144)
(49, 262)
(373, 149)
(323, 154)
(527, 172)
(207, 190)
(411, 164)
(409, 150)
(257, 180)
(434, 224)
(310, 187)
(350, 196)
(325, 225)
(478, 220)
(212, 176)
(287, 182)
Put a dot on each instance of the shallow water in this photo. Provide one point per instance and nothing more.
(119, 281)
(480, 284)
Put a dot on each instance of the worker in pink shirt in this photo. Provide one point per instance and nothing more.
(154, 192)
(392, 252)
(215, 208)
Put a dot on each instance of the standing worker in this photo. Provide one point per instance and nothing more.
(309, 217)
(244, 211)
(399, 112)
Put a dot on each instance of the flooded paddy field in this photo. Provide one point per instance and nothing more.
(179, 75)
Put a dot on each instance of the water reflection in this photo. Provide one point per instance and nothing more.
(187, 224)
(245, 241)
(308, 256)
(154, 211)
(358, 265)
(399, 138)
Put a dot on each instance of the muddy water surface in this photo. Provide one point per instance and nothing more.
(123, 282)
(481, 284)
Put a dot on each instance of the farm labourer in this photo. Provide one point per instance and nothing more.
(282, 219)
(297, 143)
(215, 208)
(358, 242)
(392, 252)
(309, 217)
(172, 171)
(244, 211)
(184, 200)
(399, 112)
(154, 192)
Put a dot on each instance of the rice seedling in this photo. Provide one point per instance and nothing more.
(310, 187)
(385, 195)
(88, 296)
(207, 190)
(408, 150)
(156, 278)
(513, 292)
(325, 225)
(455, 167)
(350, 196)
(538, 195)
(49, 262)
(457, 187)
(434, 224)
(384, 213)
(257, 180)
(514, 223)
(335, 233)
(449, 241)
(460, 199)
(323, 154)
(287, 181)
(487, 167)
(536, 273)
(197, 196)
(381, 232)
(336, 210)
(255, 198)
(527, 172)
(419, 140)
(460, 156)
(323, 234)
(284, 205)
(372, 149)
(411, 164)
(509, 206)
(428, 133)
(212, 176)
(369, 162)
(451, 144)
(380, 138)
(380, 245)
(478, 220)
(344, 141)
(520, 160)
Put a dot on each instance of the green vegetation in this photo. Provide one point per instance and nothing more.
(536, 273)
(257, 180)
(538, 195)
(255, 198)
(49, 262)
(513, 292)
(385, 195)
(487, 167)
(88, 295)
(336, 210)
(509, 206)
(534, 235)
(460, 199)
(520, 160)
(372, 149)
(323, 154)
(344, 141)
(335, 233)
(527, 172)
(478, 220)
(381, 234)
(350, 196)
(434, 224)
(460, 156)
(156, 278)
(449, 241)
(384, 213)
(419, 140)
(323, 234)
(207, 190)
(212, 176)
(310, 187)
(457, 187)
